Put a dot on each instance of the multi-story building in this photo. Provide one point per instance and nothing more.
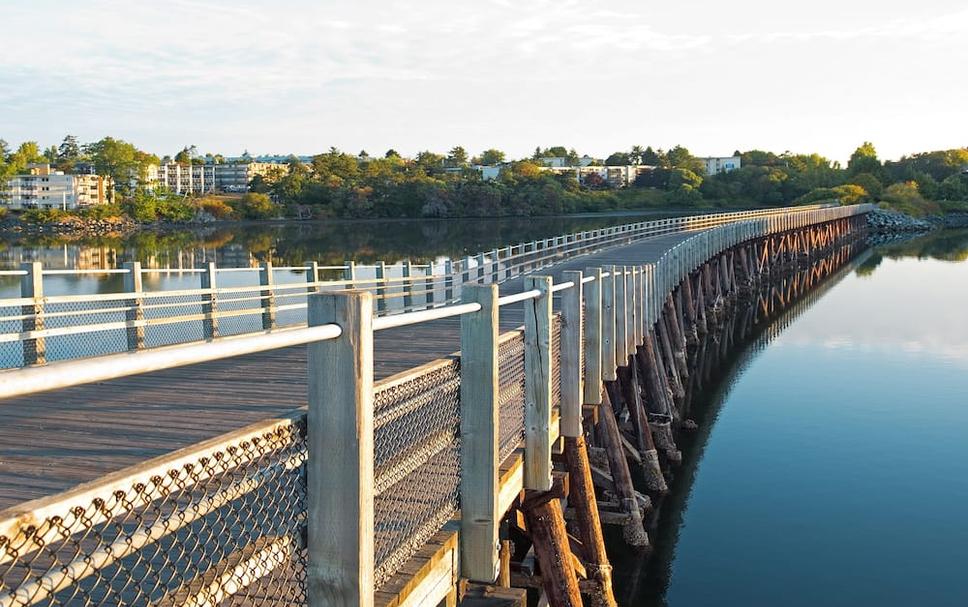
(44, 188)
(236, 176)
(193, 179)
(186, 179)
(723, 164)
(614, 176)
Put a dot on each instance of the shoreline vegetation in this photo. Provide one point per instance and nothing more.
(336, 185)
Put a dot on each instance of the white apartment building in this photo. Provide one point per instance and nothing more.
(44, 188)
(235, 176)
(185, 179)
(614, 176)
(722, 164)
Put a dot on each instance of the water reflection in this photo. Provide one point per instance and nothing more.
(831, 465)
(292, 243)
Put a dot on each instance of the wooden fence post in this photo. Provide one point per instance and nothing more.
(537, 385)
(407, 286)
(349, 274)
(268, 296)
(381, 286)
(429, 286)
(621, 316)
(340, 540)
(608, 326)
(479, 430)
(494, 266)
(32, 287)
(593, 338)
(508, 262)
(209, 301)
(466, 267)
(448, 281)
(480, 268)
(134, 315)
(571, 349)
(312, 276)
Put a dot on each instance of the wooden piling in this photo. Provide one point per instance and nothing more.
(634, 530)
(582, 498)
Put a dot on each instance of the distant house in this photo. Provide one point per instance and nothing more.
(44, 188)
(489, 172)
(721, 164)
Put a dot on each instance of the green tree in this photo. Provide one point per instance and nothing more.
(871, 184)
(256, 206)
(123, 162)
(651, 157)
(492, 156)
(618, 159)
(68, 152)
(864, 160)
(50, 154)
(680, 158)
(457, 157)
(392, 153)
(635, 154)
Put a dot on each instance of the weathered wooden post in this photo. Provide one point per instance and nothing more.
(134, 315)
(508, 262)
(479, 430)
(537, 385)
(209, 283)
(407, 286)
(32, 287)
(381, 286)
(494, 266)
(349, 274)
(312, 276)
(466, 266)
(621, 316)
(593, 338)
(339, 470)
(429, 286)
(571, 355)
(480, 268)
(448, 281)
(268, 296)
(608, 326)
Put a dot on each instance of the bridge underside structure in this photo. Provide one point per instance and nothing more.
(223, 520)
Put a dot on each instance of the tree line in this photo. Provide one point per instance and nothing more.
(339, 184)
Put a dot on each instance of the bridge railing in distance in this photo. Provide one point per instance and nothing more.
(37, 327)
(325, 505)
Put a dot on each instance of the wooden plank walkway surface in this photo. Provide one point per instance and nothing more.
(52, 441)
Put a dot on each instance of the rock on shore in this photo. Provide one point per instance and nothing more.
(882, 221)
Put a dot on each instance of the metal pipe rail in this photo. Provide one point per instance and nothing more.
(37, 328)
(372, 469)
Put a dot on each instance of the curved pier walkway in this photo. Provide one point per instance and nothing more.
(52, 441)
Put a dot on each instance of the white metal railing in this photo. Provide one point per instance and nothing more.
(617, 309)
(36, 328)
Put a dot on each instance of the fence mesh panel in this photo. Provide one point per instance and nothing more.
(70, 314)
(171, 307)
(416, 462)
(510, 361)
(556, 360)
(226, 528)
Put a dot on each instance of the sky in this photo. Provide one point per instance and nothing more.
(299, 76)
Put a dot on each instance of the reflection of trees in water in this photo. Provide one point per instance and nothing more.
(332, 242)
(943, 245)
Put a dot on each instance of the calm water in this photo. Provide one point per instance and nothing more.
(285, 244)
(833, 468)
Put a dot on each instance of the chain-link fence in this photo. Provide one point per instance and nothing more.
(222, 526)
(416, 462)
(510, 362)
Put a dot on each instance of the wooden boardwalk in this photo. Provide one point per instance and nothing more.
(52, 441)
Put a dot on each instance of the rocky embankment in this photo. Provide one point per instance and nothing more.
(882, 221)
(72, 226)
